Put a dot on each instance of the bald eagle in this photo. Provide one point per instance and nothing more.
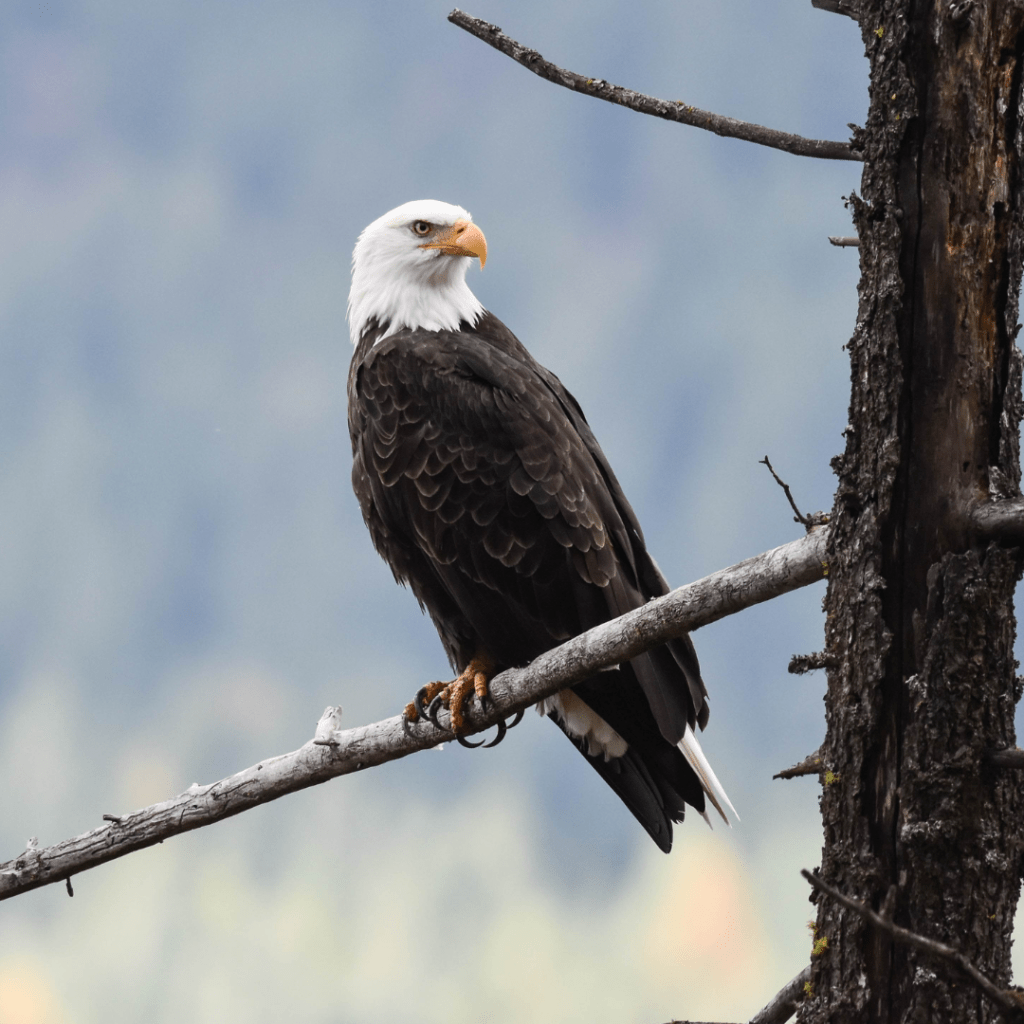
(485, 490)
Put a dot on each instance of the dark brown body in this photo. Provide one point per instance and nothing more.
(486, 492)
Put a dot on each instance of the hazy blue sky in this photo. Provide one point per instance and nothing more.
(185, 581)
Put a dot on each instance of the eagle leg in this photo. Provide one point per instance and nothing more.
(472, 679)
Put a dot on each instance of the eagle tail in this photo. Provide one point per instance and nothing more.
(634, 785)
(709, 781)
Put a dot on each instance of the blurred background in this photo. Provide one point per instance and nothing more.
(185, 580)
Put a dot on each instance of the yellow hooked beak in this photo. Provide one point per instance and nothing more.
(463, 238)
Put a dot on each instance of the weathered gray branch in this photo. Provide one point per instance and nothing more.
(1010, 1002)
(670, 110)
(845, 241)
(332, 753)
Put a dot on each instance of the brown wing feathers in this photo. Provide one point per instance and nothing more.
(485, 490)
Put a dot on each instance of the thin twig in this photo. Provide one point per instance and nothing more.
(757, 579)
(813, 764)
(1010, 1002)
(845, 241)
(801, 664)
(807, 522)
(847, 7)
(670, 110)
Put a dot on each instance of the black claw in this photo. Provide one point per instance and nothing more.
(485, 701)
(472, 746)
(435, 706)
(417, 702)
(519, 717)
(502, 729)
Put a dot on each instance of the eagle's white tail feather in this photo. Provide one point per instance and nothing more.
(712, 787)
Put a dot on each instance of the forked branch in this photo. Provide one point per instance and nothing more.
(670, 110)
(335, 752)
(808, 522)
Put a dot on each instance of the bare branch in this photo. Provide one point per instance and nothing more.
(785, 1003)
(1011, 757)
(845, 241)
(808, 522)
(341, 752)
(813, 764)
(670, 110)
(1001, 520)
(848, 7)
(1009, 1001)
(801, 664)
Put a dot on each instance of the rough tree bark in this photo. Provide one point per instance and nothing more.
(920, 623)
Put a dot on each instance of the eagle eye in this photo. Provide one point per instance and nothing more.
(421, 228)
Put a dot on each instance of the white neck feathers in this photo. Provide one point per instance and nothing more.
(398, 283)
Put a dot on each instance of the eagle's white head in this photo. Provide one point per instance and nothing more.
(409, 269)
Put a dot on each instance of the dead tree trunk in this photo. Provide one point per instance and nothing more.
(920, 624)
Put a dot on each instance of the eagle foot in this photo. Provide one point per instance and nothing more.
(415, 709)
(431, 698)
(502, 729)
(418, 709)
(503, 726)
(453, 695)
(432, 710)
